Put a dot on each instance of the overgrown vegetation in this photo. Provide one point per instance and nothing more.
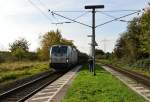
(13, 71)
(100, 88)
(133, 47)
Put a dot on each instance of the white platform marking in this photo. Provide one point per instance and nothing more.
(47, 94)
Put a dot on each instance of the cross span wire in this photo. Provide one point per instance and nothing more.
(99, 24)
(70, 19)
(111, 16)
(117, 18)
(83, 14)
(98, 11)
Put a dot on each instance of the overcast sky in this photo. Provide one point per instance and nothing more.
(20, 19)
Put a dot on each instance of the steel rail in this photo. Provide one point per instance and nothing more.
(7, 95)
(38, 89)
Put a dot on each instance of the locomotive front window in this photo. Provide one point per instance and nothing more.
(55, 49)
(63, 49)
(59, 50)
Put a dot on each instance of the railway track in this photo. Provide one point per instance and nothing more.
(23, 92)
(145, 80)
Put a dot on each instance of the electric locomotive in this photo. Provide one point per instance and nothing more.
(62, 57)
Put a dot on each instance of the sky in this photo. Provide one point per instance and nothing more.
(22, 19)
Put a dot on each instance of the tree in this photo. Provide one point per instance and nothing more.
(67, 42)
(99, 53)
(145, 28)
(19, 53)
(31, 56)
(19, 48)
(21, 43)
(133, 45)
(40, 54)
(49, 39)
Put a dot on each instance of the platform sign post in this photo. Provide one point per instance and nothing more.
(93, 7)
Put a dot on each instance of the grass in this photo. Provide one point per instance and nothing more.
(12, 71)
(100, 88)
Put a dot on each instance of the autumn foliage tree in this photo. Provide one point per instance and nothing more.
(47, 40)
(134, 44)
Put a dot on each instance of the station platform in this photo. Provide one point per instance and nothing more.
(56, 90)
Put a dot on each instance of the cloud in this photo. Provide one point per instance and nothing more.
(19, 18)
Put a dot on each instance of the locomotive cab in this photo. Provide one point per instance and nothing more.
(62, 57)
(59, 57)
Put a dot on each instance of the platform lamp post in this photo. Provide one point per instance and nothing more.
(93, 7)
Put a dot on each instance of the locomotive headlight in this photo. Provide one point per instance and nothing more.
(67, 60)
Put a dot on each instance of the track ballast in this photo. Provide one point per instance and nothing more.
(23, 92)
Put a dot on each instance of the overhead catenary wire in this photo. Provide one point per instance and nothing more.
(39, 9)
(108, 15)
(70, 19)
(98, 11)
(55, 17)
(117, 18)
(46, 8)
(71, 11)
(73, 19)
(118, 11)
(81, 15)
(97, 25)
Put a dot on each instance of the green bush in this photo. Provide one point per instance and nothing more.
(144, 63)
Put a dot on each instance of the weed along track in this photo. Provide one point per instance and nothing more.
(135, 81)
(21, 93)
(136, 76)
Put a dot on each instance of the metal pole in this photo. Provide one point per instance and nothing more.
(93, 7)
(93, 39)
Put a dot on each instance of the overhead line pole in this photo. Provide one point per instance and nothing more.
(93, 7)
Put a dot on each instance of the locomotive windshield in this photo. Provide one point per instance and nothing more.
(59, 49)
